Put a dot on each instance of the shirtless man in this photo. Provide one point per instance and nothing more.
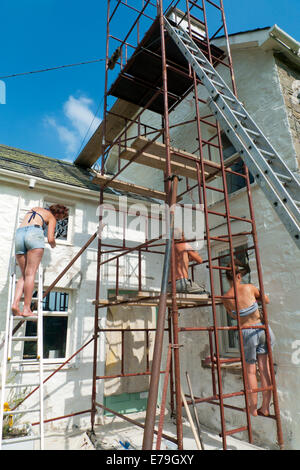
(29, 249)
(254, 340)
(183, 254)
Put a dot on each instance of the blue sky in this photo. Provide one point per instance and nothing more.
(50, 113)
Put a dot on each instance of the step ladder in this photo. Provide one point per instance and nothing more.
(8, 360)
(279, 184)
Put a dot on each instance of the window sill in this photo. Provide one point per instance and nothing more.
(50, 366)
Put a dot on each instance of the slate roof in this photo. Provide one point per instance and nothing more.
(53, 169)
(47, 168)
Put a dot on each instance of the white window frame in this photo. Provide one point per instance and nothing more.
(70, 316)
(50, 201)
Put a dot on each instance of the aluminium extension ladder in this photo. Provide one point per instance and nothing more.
(8, 359)
(279, 184)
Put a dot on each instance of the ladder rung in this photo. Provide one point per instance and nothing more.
(20, 439)
(192, 48)
(229, 98)
(297, 203)
(186, 39)
(200, 59)
(269, 154)
(283, 177)
(218, 84)
(237, 430)
(24, 362)
(20, 317)
(21, 385)
(250, 131)
(239, 114)
(20, 412)
(208, 71)
(25, 338)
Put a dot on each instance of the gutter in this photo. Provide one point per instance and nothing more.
(281, 42)
(285, 40)
(67, 191)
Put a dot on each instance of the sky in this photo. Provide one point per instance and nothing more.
(54, 113)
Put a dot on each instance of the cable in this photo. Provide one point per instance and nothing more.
(98, 109)
(53, 68)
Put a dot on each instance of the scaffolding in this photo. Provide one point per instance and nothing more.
(146, 72)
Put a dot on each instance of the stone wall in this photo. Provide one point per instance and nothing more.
(289, 78)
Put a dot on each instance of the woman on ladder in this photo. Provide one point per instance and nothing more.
(29, 249)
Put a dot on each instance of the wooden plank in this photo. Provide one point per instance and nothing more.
(159, 163)
(183, 163)
(143, 299)
(128, 187)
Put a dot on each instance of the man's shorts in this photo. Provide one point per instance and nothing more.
(29, 238)
(187, 286)
(255, 342)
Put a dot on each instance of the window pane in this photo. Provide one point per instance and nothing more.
(55, 335)
(55, 328)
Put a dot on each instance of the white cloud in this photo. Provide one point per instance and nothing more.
(81, 123)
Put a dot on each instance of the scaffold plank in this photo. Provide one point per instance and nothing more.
(128, 187)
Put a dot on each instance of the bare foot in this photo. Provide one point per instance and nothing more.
(16, 311)
(253, 412)
(28, 313)
(262, 412)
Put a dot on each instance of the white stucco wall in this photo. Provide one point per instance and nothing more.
(69, 390)
(260, 90)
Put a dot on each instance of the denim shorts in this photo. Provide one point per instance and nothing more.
(255, 342)
(29, 238)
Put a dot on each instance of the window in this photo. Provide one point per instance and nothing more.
(234, 182)
(231, 341)
(55, 327)
(63, 227)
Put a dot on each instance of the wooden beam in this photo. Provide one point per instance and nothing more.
(124, 186)
(155, 157)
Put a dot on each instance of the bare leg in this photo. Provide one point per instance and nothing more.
(252, 384)
(21, 260)
(33, 260)
(265, 376)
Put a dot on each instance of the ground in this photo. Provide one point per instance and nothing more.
(114, 430)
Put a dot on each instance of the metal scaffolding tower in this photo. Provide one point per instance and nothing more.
(147, 70)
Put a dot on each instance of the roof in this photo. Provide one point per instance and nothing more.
(47, 168)
(55, 170)
(245, 32)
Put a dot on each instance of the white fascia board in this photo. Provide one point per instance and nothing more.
(61, 189)
(273, 38)
(278, 40)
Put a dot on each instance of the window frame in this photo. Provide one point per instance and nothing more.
(69, 241)
(68, 314)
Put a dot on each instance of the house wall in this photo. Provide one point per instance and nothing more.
(289, 78)
(259, 81)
